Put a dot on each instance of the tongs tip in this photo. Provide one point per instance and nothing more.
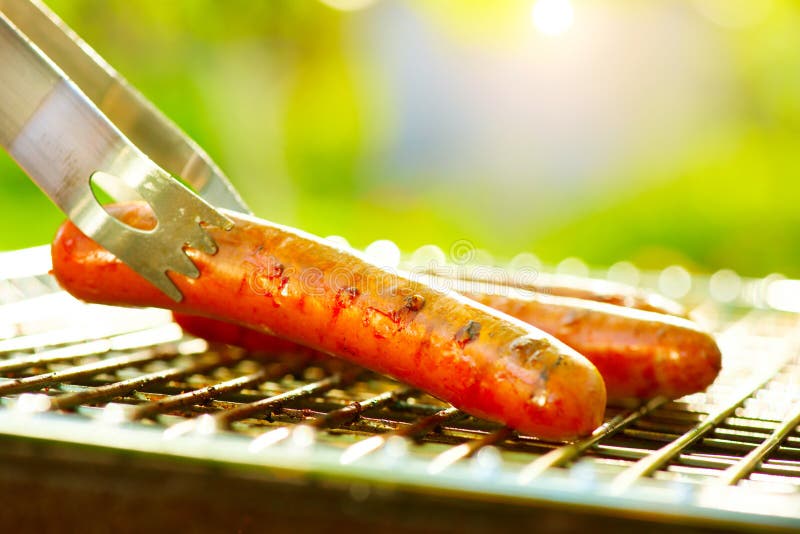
(184, 220)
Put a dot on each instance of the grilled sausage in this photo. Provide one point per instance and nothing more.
(229, 333)
(299, 287)
(640, 354)
(560, 285)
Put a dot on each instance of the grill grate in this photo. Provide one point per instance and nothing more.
(129, 379)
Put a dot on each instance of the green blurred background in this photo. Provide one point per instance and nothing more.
(658, 132)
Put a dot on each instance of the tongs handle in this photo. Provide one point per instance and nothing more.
(53, 132)
(142, 123)
(61, 138)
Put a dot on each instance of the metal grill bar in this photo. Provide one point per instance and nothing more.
(562, 455)
(651, 462)
(745, 466)
(200, 396)
(336, 418)
(81, 350)
(96, 347)
(224, 419)
(414, 431)
(84, 332)
(116, 389)
(736, 441)
(353, 411)
(274, 410)
(17, 385)
(466, 450)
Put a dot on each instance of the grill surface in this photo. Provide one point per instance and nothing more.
(114, 379)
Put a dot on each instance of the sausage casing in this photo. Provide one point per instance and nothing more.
(302, 288)
(640, 354)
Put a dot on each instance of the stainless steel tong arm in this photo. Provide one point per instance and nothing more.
(54, 132)
(61, 137)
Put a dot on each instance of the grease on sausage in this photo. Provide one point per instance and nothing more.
(640, 354)
(289, 283)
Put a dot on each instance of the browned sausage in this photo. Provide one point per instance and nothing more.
(566, 286)
(302, 288)
(233, 334)
(640, 354)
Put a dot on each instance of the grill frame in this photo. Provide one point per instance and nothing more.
(453, 457)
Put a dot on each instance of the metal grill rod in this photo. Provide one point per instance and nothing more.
(27, 383)
(222, 420)
(654, 460)
(123, 387)
(468, 449)
(414, 431)
(731, 440)
(87, 331)
(335, 418)
(746, 465)
(199, 396)
(500, 457)
(562, 455)
(95, 347)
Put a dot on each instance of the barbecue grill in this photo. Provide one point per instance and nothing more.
(115, 417)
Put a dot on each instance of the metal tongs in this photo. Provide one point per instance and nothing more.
(68, 118)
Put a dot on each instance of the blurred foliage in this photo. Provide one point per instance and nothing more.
(289, 99)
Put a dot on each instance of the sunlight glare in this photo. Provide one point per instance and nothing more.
(552, 17)
(347, 5)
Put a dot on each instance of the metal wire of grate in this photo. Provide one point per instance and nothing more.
(130, 379)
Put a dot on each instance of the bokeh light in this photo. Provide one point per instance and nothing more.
(552, 17)
(648, 135)
(348, 5)
(734, 13)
